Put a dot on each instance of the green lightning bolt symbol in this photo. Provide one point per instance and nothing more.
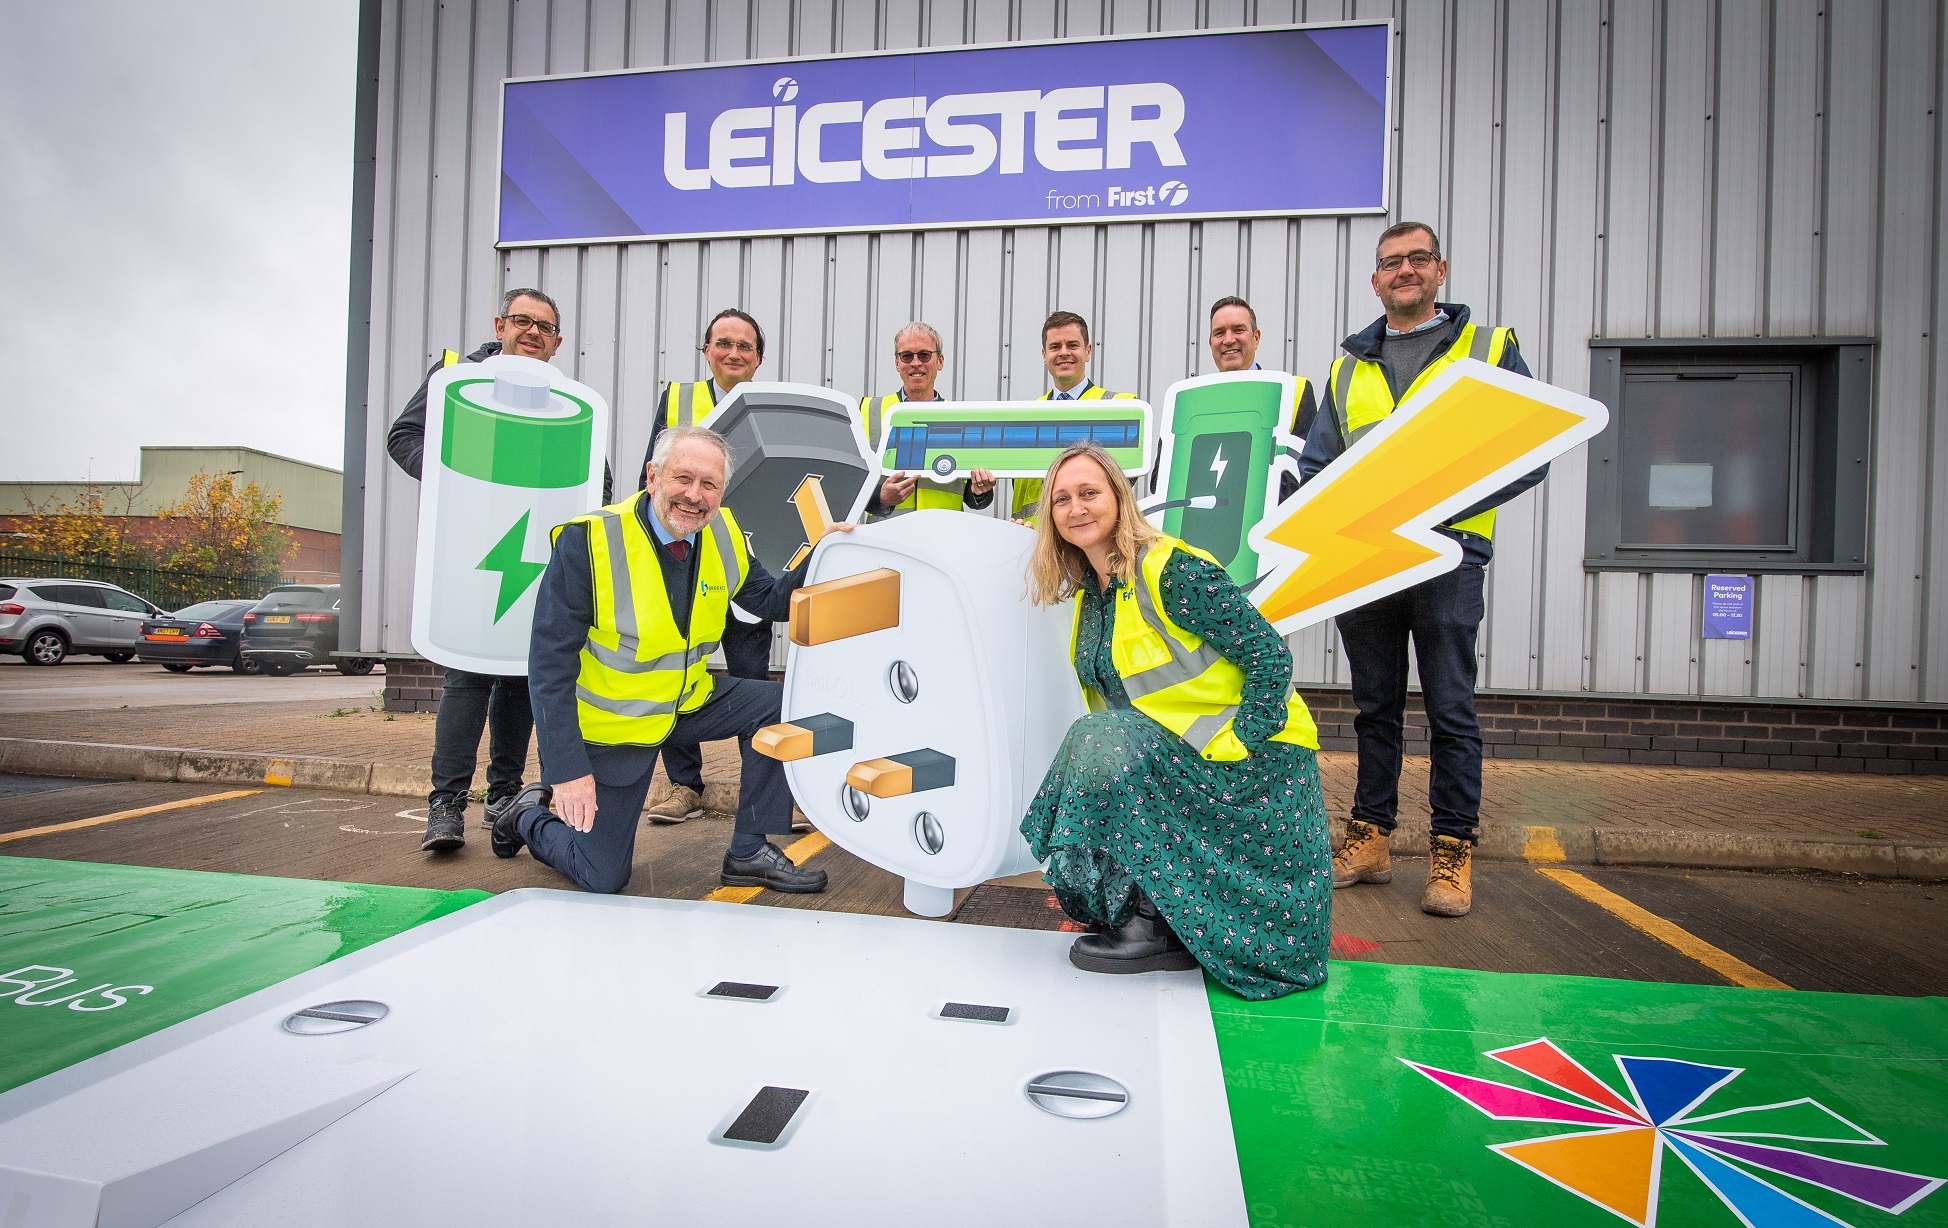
(517, 574)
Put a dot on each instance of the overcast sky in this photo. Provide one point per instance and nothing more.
(175, 179)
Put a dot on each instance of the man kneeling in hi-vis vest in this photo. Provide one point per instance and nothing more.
(1391, 360)
(631, 607)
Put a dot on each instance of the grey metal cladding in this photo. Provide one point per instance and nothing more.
(1618, 169)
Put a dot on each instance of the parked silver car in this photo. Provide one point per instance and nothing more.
(46, 620)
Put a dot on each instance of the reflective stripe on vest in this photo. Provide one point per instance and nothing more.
(1362, 398)
(688, 403)
(637, 670)
(1175, 678)
(1028, 491)
(926, 494)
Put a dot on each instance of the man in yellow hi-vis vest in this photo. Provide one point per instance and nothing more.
(920, 358)
(733, 346)
(634, 601)
(1066, 351)
(1393, 358)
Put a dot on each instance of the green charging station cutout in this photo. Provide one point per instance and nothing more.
(195, 940)
(1223, 436)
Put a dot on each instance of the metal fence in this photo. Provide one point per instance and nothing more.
(166, 587)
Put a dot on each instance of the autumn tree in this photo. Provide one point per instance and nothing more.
(220, 528)
(80, 528)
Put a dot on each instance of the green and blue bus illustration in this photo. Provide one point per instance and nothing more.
(1012, 440)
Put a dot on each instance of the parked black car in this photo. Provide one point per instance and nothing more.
(207, 633)
(295, 627)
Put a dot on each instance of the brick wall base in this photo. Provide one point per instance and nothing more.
(413, 685)
(1578, 729)
(1679, 732)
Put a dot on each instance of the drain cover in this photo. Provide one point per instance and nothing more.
(329, 1017)
(1077, 1093)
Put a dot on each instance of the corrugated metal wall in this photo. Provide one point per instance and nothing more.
(1718, 168)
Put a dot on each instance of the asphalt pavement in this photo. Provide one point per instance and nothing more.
(1800, 930)
(95, 685)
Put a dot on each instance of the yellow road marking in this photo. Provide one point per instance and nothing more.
(1724, 963)
(798, 852)
(278, 773)
(119, 815)
(1542, 845)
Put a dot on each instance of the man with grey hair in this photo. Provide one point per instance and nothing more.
(529, 324)
(633, 603)
(919, 357)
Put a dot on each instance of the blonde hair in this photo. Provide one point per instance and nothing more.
(1057, 568)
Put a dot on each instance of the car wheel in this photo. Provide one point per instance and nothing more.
(355, 667)
(244, 665)
(46, 647)
(178, 669)
(118, 658)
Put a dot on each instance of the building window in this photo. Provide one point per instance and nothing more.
(1729, 455)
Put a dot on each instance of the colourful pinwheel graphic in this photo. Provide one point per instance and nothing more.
(1617, 1162)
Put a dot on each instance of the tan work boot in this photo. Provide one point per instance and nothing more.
(1450, 882)
(1363, 858)
(682, 802)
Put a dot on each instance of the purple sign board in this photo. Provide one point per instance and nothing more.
(1250, 123)
(1728, 607)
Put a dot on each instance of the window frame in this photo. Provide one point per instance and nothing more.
(1832, 453)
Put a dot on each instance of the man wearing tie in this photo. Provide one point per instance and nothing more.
(1065, 353)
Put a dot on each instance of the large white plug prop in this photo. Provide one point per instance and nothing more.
(925, 697)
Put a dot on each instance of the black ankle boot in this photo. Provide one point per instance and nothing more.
(1144, 943)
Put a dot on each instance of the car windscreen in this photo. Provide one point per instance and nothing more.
(296, 599)
(207, 609)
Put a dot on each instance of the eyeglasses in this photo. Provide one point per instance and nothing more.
(521, 324)
(1421, 260)
(916, 355)
(724, 345)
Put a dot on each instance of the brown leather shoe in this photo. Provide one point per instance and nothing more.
(680, 803)
(1450, 883)
(1363, 858)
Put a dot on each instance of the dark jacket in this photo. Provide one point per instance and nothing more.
(1324, 444)
(564, 610)
(406, 441)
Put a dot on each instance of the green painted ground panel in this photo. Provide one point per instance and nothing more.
(1844, 1102)
(93, 956)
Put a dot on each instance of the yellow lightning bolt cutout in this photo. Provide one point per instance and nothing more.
(1363, 527)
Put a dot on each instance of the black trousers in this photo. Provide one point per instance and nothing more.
(747, 654)
(1443, 618)
(602, 858)
(471, 703)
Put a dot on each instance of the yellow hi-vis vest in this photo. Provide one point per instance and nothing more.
(688, 403)
(638, 671)
(1176, 679)
(1361, 396)
(872, 414)
(1028, 491)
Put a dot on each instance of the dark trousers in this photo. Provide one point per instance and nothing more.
(469, 704)
(1443, 617)
(601, 859)
(747, 654)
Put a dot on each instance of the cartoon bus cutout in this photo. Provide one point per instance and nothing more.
(1013, 438)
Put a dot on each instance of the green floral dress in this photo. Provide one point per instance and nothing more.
(1234, 854)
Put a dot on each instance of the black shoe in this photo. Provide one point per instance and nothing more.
(446, 828)
(771, 868)
(1144, 943)
(492, 810)
(507, 824)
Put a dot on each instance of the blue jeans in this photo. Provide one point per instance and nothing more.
(469, 704)
(1443, 618)
(747, 654)
(602, 858)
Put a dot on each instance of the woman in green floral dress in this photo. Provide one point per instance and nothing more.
(1182, 817)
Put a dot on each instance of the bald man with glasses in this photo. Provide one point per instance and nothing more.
(921, 358)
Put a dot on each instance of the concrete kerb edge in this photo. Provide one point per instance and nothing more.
(1573, 845)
